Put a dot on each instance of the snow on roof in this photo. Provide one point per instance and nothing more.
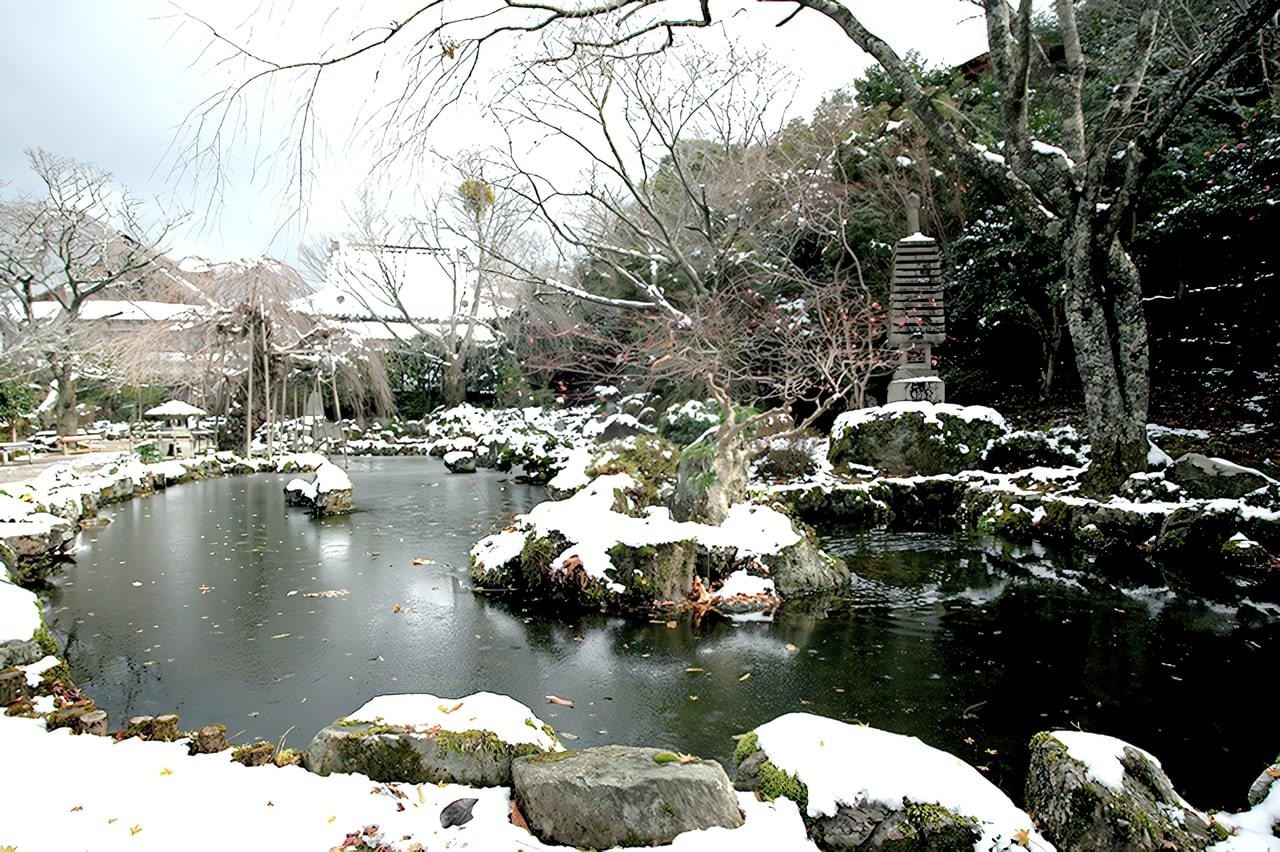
(174, 408)
(508, 719)
(842, 764)
(119, 309)
(389, 282)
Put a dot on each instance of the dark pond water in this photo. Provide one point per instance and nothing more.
(194, 601)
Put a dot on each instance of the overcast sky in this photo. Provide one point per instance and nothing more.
(111, 83)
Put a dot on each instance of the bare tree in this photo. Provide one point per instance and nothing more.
(462, 242)
(81, 236)
(691, 218)
(1079, 192)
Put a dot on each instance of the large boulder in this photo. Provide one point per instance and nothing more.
(599, 798)
(1096, 792)
(1211, 478)
(861, 788)
(914, 437)
(1215, 549)
(802, 569)
(420, 739)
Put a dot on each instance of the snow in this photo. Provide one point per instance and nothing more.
(1100, 754)
(511, 721)
(139, 796)
(929, 410)
(595, 429)
(1252, 829)
(330, 477)
(743, 583)
(573, 473)
(588, 520)
(1157, 457)
(843, 764)
(1051, 151)
(19, 610)
(35, 670)
(457, 456)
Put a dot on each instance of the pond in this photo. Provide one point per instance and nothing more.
(209, 600)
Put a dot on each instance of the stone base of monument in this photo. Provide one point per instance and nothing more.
(917, 389)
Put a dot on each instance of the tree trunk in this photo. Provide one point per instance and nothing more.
(64, 406)
(711, 478)
(453, 382)
(1109, 333)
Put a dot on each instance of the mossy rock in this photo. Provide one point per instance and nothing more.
(1077, 812)
(649, 460)
(904, 440)
(1026, 449)
(915, 827)
(391, 753)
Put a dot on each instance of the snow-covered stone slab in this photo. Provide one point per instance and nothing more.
(421, 738)
(597, 798)
(858, 785)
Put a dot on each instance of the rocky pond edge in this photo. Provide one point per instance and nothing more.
(1073, 787)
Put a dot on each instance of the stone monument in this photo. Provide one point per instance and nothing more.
(916, 317)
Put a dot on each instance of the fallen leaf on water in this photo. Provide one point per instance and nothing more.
(693, 670)
(555, 699)
(744, 677)
(672, 625)
(135, 584)
(374, 554)
(792, 648)
(397, 608)
(327, 593)
(991, 751)
(418, 560)
(444, 709)
(968, 740)
(693, 698)
(282, 636)
(566, 735)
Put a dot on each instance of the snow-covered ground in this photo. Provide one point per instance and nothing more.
(74, 793)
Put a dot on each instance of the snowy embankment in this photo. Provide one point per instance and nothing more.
(39, 517)
(85, 792)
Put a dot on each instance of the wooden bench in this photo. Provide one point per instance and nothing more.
(76, 443)
(10, 449)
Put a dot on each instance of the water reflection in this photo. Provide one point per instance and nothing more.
(195, 600)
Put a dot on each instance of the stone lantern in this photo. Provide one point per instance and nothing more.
(916, 317)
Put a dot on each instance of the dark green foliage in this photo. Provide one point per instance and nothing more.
(16, 399)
